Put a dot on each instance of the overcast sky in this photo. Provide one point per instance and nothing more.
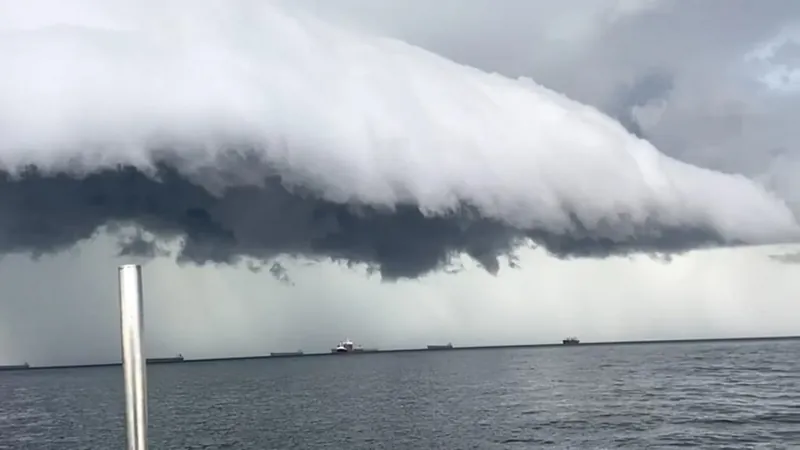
(713, 83)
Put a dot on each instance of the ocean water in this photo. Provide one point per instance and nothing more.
(707, 396)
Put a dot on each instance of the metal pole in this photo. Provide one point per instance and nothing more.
(133, 362)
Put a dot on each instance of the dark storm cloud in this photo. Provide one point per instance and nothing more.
(139, 245)
(48, 213)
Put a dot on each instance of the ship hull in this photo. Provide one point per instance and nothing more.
(440, 347)
(277, 354)
(177, 359)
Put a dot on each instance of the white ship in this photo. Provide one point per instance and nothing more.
(346, 346)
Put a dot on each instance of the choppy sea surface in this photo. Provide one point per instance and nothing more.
(713, 395)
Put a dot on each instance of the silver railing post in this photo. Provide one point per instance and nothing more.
(134, 365)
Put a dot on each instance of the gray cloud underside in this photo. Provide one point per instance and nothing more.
(48, 213)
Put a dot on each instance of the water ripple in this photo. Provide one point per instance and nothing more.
(732, 396)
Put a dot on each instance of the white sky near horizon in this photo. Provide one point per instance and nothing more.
(68, 312)
(62, 309)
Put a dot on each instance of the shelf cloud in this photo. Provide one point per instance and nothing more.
(248, 131)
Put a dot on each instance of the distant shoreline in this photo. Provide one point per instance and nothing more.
(160, 361)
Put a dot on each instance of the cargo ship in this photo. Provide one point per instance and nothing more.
(571, 341)
(277, 354)
(448, 346)
(15, 367)
(347, 346)
(173, 359)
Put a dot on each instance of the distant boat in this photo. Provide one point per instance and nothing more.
(447, 346)
(297, 353)
(571, 341)
(15, 367)
(347, 346)
(173, 359)
(365, 350)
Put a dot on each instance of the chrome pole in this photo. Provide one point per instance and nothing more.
(133, 362)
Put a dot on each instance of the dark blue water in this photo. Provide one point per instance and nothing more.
(720, 395)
